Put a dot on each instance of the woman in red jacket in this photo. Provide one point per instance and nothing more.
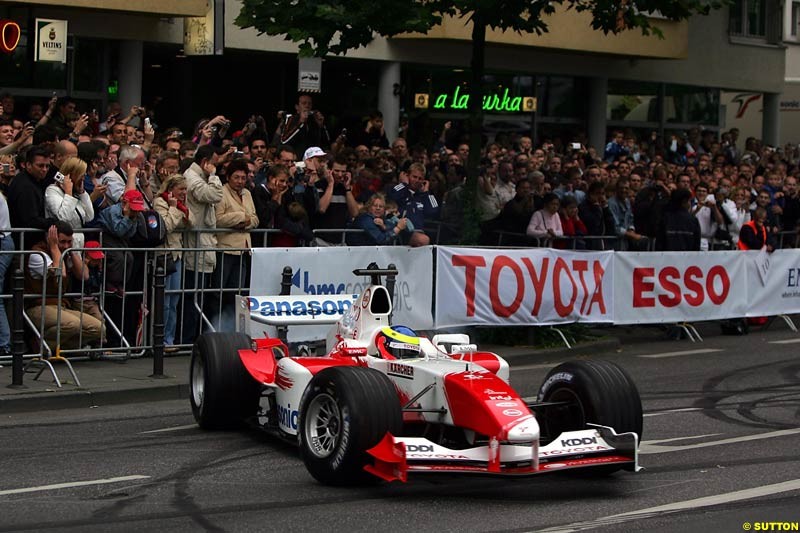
(572, 225)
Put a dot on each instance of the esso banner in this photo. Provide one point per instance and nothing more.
(326, 271)
(522, 286)
(776, 289)
(655, 288)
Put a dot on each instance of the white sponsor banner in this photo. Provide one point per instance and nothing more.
(780, 292)
(51, 40)
(524, 286)
(668, 287)
(329, 270)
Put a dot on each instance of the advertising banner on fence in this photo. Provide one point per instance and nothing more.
(773, 282)
(525, 286)
(668, 287)
(329, 271)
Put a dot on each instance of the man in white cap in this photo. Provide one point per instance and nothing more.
(336, 205)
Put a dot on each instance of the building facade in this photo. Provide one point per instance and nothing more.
(570, 80)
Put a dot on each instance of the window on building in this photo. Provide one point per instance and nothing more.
(795, 14)
(756, 19)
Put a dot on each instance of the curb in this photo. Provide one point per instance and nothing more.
(582, 350)
(83, 399)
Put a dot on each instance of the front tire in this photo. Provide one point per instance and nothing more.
(223, 394)
(597, 392)
(344, 412)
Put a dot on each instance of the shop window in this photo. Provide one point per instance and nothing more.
(695, 105)
(560, 97)
(88, 66)
(20, 71)
(632, 101)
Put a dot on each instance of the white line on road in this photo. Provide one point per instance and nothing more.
(708, 501)
(787, 341)
(676, 354)
(164, 430)
(655, 448)
(673, 411)
(680, 438)
(72, 484)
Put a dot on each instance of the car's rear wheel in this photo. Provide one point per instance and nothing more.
(223, 394)
(344, 412)
(591, 392)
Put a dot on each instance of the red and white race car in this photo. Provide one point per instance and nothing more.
(385, 402)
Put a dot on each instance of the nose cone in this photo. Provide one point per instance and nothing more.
(525, 430)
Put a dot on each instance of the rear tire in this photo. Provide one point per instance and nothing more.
(223, 394)
(598, 392)
(344, 412)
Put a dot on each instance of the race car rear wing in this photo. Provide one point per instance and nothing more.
(254, 312)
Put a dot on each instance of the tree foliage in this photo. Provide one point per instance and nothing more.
(323, 27)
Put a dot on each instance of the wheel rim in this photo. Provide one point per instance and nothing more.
(323, 425)
(198, 380)
(569, 417)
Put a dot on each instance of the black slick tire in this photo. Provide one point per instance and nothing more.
(344, 412)
(597, 392)
(223, 394)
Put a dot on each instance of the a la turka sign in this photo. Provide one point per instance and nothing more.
(51, 40)
(9, 36)
(502, 102)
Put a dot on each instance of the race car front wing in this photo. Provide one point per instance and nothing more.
(395, 457)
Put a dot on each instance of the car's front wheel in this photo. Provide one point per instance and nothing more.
(595, 392)
(344, 412)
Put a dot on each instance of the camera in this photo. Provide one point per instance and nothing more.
(576, 146)
(6, 168)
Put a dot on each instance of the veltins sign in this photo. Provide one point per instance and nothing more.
(51, 40)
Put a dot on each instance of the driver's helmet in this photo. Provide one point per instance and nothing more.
(400, 342)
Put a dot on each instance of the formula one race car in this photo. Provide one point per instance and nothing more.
(384, 402)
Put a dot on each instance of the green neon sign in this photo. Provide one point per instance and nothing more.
(497, 103)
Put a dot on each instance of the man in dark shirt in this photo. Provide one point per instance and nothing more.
(26, 196)
(597, 217)
(415, 202)
(337, 205)
(680, 230)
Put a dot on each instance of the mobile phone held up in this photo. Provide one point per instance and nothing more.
(59, 178)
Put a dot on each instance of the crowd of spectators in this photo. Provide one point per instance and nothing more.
(63, 169)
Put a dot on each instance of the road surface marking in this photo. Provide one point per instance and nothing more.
(672, 411)
(680, 438)
(534, 367)
(164, 430)
(655, 448)
(676, 354)
(787, 341)
(708, 501)
(72, 484)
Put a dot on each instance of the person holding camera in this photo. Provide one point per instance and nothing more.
(66, 199)
(304, 128)
(707, 213)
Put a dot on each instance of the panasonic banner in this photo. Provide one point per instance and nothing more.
(327, 272)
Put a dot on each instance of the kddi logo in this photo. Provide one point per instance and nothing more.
(418, 448)
(578, 442)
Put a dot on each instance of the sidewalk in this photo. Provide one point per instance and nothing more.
(109, 382)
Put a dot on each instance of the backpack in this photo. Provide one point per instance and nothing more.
(150, 230)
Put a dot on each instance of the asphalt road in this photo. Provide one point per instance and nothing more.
(721, 437)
